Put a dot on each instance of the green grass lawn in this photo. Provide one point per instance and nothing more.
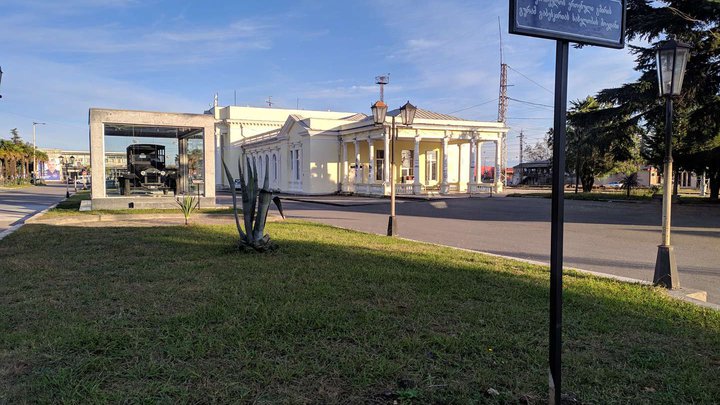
(175, 314)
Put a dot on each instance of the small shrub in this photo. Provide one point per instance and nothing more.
(187, 204)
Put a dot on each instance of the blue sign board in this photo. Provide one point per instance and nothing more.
(592, 22)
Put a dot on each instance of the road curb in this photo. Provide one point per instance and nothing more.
(32, 218)
(683, 294)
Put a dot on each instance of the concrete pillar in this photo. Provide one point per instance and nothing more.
(386, 165)
(417, 188)
(479, 162)
(473, 163)
(498, 178)
(182, 179)
(444, 187)
(358, 177)
(371, 161)
(345, 173)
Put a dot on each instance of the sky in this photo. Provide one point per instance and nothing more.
(61, 58)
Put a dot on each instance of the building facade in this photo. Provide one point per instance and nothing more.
(324, 152)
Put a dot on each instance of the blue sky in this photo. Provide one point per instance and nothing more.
(62, 57)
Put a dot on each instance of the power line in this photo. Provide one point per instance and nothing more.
(473, 106)
(531, 103)
(533, 81)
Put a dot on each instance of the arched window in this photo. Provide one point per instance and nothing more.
(254, 162)
(275, 167)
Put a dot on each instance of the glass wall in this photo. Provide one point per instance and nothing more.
(160, 161)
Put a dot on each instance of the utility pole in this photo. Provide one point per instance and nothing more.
(269, 101)
(502, 109)
(522, 140)
(382, 80)
(35, 152)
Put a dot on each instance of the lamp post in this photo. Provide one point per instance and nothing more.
(671, 59)
(407, 115)
(1, 72)
(35, 167)
(66, 170)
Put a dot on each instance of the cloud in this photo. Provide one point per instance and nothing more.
(149, 48)
(61, 95)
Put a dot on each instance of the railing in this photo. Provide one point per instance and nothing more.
(348, 187)
(404, 188)
(480, 188)
(295, 185)
(377, 189)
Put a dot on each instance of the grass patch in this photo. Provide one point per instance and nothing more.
(175, 314)
(71, 206)
(640, 195)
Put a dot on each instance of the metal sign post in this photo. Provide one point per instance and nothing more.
(557, 218)
(590, 22)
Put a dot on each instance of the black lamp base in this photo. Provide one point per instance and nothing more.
(392, 226)
(666, 274)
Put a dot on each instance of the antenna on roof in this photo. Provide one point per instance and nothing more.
(382, 81)
(269, 101)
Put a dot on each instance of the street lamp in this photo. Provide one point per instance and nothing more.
(671, 58)
(1, 72)
(407, 115)
(35, 167)
(66, 170)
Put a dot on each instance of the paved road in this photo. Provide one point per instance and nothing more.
(18, 204)
(614, 238)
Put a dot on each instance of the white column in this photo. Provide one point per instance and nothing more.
(300, 164)
(345, 173)
(444, 188)
(498, 178)
(417, 189)
(386, 165)
(371, 161)
(473, 163)
(479, 162)
(358, 178)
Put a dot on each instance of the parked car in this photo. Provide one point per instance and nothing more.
(238, 185)
(614, 184)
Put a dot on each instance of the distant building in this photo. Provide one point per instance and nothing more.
(54, 169)
(538, 173)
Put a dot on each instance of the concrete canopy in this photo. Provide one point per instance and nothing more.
(130, 123)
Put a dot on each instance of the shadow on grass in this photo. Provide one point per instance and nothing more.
(176, 314)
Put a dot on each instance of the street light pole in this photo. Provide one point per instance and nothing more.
(35, 152)
(671, 57)
(407, 115)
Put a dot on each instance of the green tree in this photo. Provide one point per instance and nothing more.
(597, 141)
(696, 131)
(542, 150)
(15, 136)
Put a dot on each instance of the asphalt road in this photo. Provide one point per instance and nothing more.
(615, 238)
(18, 204)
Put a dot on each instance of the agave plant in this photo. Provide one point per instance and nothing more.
(187, 204)
(255, 207)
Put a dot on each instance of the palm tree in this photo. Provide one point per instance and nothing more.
(629, 182)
